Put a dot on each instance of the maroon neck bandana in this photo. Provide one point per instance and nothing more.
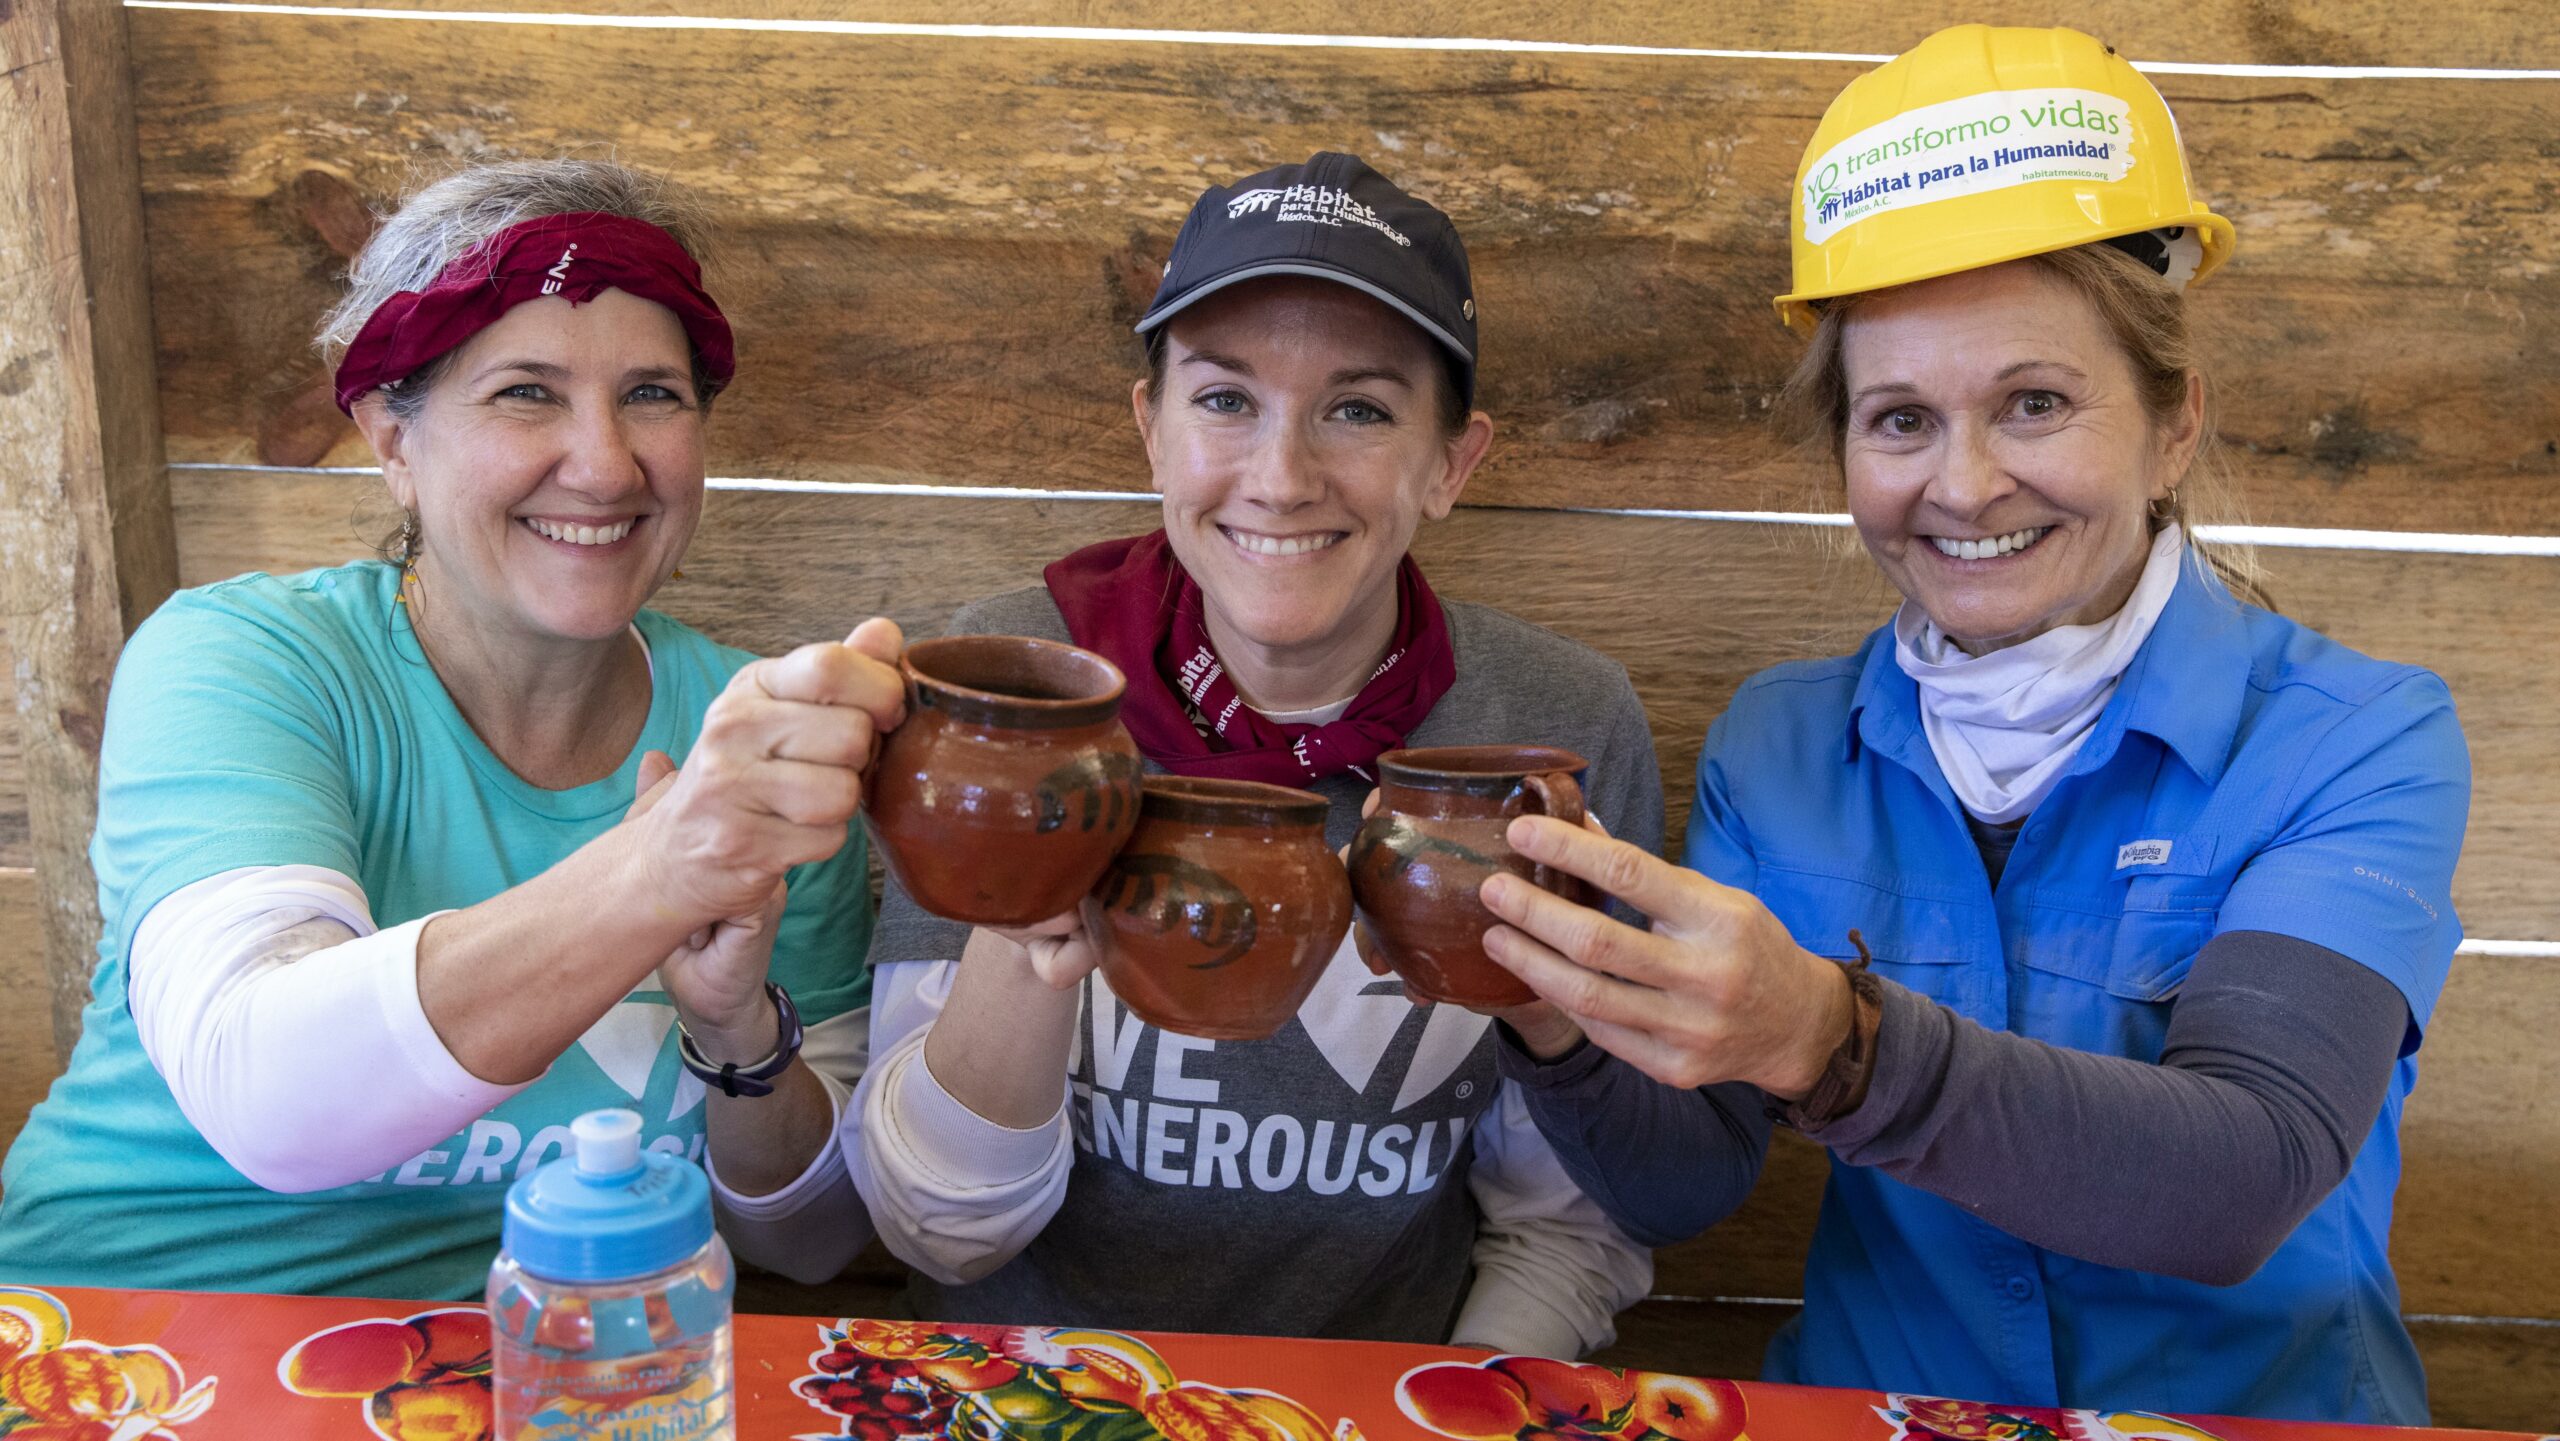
(576, 256)
(1133, 602)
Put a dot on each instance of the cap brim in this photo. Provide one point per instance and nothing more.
(1319, 271)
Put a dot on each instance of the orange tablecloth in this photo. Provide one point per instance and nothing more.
(78, 1365)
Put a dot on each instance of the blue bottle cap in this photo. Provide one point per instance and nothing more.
(609, 1211)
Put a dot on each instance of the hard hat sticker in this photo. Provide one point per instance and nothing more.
(1966, 146)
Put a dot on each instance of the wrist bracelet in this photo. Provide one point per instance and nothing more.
(1842, 1086)
(756, 1079)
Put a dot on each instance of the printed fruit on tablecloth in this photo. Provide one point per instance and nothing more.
(421, 1378)
(1687, 1408)
(901, 1381)
(1465, 1401)
(102, 1391)
(70, 1384)
(874, 1393)
(1939, 1418)
(352, 1360)
(1531, 1398)
(962, 1373)
(1090, 1367)
(1566, 1390)
(30, 1321)
(453, 1341)
(1195, 1412)
(456, 1410)
(1026, 1408)
(17, 1336)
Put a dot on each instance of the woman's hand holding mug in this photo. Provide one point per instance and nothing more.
(771, 783)
(1716, 991)
(1547, 1031)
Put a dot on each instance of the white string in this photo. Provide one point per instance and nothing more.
(1264, 40)
(2287, 536)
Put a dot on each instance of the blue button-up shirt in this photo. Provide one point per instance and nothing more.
(2249, 774)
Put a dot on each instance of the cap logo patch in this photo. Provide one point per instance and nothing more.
(1966, 146)
(1311, 205)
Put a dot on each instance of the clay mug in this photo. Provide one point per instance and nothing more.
(1222, 912)
(1435, 836)
(1003, 796)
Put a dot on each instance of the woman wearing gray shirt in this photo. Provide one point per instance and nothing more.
(1041, 1155)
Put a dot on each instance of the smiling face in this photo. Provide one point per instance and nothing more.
(555, 469)
(1298, 443)
(1999, 458)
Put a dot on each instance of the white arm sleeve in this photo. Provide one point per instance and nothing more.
(261, 993)
(954, 1194)
(1552, 1271)
(811, 1229)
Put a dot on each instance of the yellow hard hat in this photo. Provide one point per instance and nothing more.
(1983, 144)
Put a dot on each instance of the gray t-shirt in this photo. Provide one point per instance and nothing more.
(1312, 1183)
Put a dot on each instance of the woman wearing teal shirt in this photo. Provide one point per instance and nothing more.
(381, 913)
(2156, 883)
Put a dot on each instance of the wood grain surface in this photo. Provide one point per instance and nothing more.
(2478, 1227)
(15, 852)
(85, 545)
(27, 1060)
(934, 247)
(2495, 1375)
(2497, 33)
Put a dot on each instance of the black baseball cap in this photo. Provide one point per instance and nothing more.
(1336, 219)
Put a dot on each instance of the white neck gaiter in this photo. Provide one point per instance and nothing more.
(2004, 725)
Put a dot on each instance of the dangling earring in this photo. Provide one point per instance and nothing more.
(404, 554)
(2165, 509)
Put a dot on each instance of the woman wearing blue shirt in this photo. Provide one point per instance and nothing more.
(2156, 883)
(382, 915)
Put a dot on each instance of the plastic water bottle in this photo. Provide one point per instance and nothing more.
(610, 1301)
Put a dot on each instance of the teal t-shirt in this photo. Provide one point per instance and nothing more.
(292, 720)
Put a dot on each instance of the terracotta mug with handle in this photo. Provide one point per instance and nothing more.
(1435, 836)
(1012, 782)
(1220, 915)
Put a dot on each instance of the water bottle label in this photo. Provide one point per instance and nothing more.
(680, 1395)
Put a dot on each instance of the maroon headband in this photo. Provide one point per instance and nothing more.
(576, 256)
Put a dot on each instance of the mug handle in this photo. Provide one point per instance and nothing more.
(880, 738)
(1559, 796)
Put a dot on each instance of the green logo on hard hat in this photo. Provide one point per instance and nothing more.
(1819, 190)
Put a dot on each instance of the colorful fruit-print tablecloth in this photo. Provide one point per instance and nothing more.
(81, 1365)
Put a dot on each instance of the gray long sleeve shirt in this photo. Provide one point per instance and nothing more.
(1358, 1174)
(2278, 1056)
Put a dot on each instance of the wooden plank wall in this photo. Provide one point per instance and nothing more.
(934, 245)
(84, 519)
(1626, 216)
